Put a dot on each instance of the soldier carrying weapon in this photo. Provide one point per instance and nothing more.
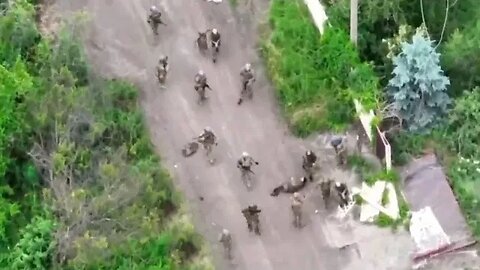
(340, 150)
(208, 140)
(155, 19)
(245, 164)
(308, 163)
(251, 214)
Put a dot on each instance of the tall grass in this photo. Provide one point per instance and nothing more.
(316, 76)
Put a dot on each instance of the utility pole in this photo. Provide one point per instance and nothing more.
(354, 21)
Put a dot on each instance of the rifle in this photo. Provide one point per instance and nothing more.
(245, 168)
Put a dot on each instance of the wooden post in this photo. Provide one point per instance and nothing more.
(354, 21)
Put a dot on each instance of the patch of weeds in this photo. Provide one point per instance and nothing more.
(316, 76)
(391, 176)
(358, 200)
(233, 3)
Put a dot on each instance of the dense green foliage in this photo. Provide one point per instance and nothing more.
(461, 58)
(317, 77)
(103, 201)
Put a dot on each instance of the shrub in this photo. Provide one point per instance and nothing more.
(461, 59)
(18, 32)
(87, 139)
(418, 88)
(463, 128)
(316, 76)
(464, 177)
(35, 248)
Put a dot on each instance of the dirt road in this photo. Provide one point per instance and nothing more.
(121, 44)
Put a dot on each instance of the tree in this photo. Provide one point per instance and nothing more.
(418, 87)
(461, 59)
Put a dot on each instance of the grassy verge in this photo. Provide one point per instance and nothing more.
(316, 76)
(104, 201)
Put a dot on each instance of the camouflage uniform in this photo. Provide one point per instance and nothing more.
(200, 84)
(308, 162)
(226, 240)
(163, 62)
(154, 19)
(162, 68)
(343, 194)
(208, 140)
(248, 76)
(215, 38)
(251, 214)
(340, 150)
(325, 186)
(297, 203)
(244, 164)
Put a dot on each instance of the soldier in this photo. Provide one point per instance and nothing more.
(308, 162)
(155, 18)
(340, 150)
(245, 164)
(162, 69)
(163, 62)
(251, 214)
(343, 194)
(208, 140)
(215, 39)
(325, 186)
(297, 202)
(226, 240)
(248, 77)
(201, 83)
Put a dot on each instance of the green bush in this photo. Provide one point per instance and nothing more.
(18, 32)
(463, 129)
(316, 76)
(88, 141)
(461, 59)
(464, 175)
(35, 248)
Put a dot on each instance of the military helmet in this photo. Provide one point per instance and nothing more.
(225, 231)
(296, 195)
(337, 184)
(215, 31)
(201, 72)
(309, 153)
(244, 154)
(208, 129)
(153, 8)
(248, 66)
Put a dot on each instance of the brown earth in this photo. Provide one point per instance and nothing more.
(121, 44)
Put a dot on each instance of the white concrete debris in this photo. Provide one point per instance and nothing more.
(373, 197)
(215, 1)
(392, 205)
(426, 231)
(318, 13)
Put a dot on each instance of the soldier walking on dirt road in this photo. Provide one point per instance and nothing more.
(208, 140)
(297, 202)
(155, 19)
(226, 240)
(251, 214)
(340, 150)
(245, 164)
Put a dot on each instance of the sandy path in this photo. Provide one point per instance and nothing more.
(121, 44)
